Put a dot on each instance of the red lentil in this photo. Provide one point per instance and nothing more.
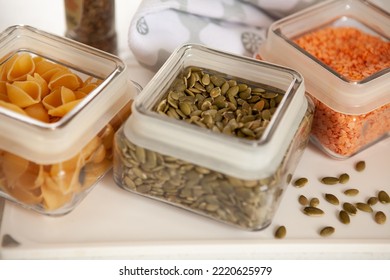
(349, 51)
(355, 55)
(346, 134)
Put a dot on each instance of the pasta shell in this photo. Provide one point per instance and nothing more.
(13, 167)
(64, 78)
(89, 149)
(87, 88)
(79, 94)
(12, 107)
(3, 91)
(47, 69)
(21, 66)
(38, 112)
(53, 197)
(92, 172)
(41, 81)
(107, 136)
(24, 93)
(38, 59)
(62, 110)
(26, 196)
(65, 174)
(32, 178)
(58, 97)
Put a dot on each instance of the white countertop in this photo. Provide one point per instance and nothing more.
(112, 223)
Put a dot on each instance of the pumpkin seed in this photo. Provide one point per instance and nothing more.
(206, 79)
(332, 199)
(266, 114)
(351, 192)
(313, 211)
(329, 180)
(364, 207)
(269, 95)
(360, 166)
(280, 232)
(327, 231)
(343, 178)
(314, 202)
(380, 217)
(215, 92)
(349, 208)
(303, 200)
(344, 217)
(301, 182)
(259, 105)
(383, 197)
(372, 200)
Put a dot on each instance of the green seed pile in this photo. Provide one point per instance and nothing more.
(224, 105)
(310, 207)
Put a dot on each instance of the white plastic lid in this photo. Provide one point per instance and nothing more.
(337, 92)
(46, 143)
(246, 159)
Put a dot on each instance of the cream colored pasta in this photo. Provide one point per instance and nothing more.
(12, 107)
(38, 112)
(20, 67)
(24, 93)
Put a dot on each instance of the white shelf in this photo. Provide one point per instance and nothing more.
(113, 223)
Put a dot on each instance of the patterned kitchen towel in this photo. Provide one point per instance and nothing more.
(237, 26)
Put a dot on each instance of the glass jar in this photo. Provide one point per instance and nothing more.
(92, 22)
(216, 134)
(342, 49)
(60, 105)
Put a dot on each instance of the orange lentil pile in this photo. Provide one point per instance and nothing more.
(349, 51)
(355, 55)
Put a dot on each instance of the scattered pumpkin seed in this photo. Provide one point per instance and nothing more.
(344, 217)
(372, 200)
(364, 207)
(314, 202)
(344, 178)
(303, 200)
(332, 199)
(351, 192)
(327, 231)
(360, 166)
(380, 217)
(280, 232)
(329, 180)
(301, 182)
(313, 211)
(349, 208)
(383, 197)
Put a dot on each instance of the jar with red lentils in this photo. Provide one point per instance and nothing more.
(342, 49)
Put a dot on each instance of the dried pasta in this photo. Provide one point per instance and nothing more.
(46, 91)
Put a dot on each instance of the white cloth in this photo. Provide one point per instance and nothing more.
(237, 26)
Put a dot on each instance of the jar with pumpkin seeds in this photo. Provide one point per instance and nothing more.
(217, 134)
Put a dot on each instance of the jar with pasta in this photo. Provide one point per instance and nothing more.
(216, 134)
(342, 49)
(60, 105)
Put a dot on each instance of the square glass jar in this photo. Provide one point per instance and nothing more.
(199, 139)
(60, 104)
(342, 49)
